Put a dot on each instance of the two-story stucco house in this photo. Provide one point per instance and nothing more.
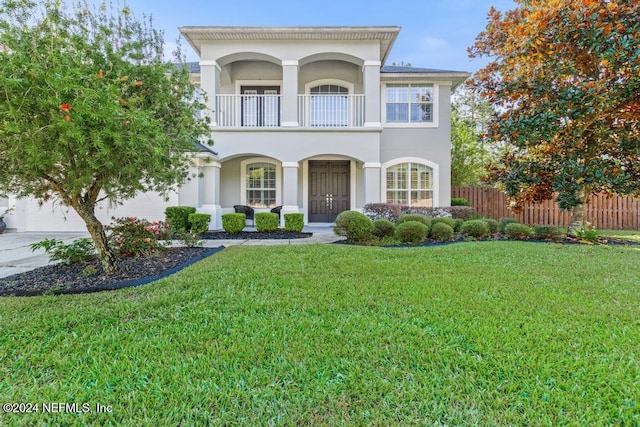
(310, 119)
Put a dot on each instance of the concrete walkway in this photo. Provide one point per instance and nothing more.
(17, 257)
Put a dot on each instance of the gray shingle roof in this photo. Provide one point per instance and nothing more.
(394, 69)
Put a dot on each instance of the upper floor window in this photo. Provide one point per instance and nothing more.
(409, 103)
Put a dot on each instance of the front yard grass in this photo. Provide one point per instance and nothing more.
(488, 333)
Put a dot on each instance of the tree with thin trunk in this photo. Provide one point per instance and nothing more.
(564, 78)
(89, 110)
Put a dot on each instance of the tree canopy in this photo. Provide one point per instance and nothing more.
(564, 78)
(89, 110)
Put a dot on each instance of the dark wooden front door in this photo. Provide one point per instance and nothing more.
(329, 189)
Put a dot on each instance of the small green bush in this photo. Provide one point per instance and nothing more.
(459, 201)
(294, 222)
(475, 228)
(383, 228)
(492, 225)
(77, 251)
(463, 212)
(199, 222)
(412, 232)
(441, 232)
(233, 223)
(414, 217)
(459, 222)
(502, 224)
(588, 232)
(355, 226)
(266, 222)
(443, 220)
(517, 231)
(547, 232)
(178, 217)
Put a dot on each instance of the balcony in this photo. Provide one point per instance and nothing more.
(313, 111)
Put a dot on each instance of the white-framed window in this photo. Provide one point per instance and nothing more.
(410, 184)
(409, 103)
(260, 184)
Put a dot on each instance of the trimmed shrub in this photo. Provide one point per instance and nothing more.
(177, 217)
(294, 222)
(414, 217)
(233, 223)
(441, 232)
(459, 201)
(459, 222)
(199, 222)
(355, 226)
(443, 220)
(412, 232)
(430, 212)
(383, 228)
(502, 224)
(475, 228)
(517, 231)
(463, 212)
(492, 225)
(547, 232)
(266, 222)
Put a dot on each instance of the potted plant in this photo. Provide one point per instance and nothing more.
(3, 226)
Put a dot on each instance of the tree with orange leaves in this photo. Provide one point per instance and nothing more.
(564, 78)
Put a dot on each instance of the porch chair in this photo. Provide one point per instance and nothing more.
(247, 211)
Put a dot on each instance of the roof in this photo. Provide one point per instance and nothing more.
(404, 74)
(385, 34)
(203, 148)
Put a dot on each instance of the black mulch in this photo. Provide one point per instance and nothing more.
(458, 238)
(247, 235)
(76, 278)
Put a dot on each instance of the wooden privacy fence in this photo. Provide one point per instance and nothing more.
(604, 212)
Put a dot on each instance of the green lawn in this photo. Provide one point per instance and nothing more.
(633, 235)
(487, 333)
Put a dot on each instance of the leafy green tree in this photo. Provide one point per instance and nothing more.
(565, 81)
(470, 116)
(89, 110)
(468, 156)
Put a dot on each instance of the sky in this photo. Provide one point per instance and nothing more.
(435, 33)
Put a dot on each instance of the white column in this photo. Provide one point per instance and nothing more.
(210, 83)
(372, 182)
(289, 189)
(371, 83)
(289, 106)
(210, 202)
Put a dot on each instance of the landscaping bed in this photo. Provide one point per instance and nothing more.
(251, 235)
(84, 277)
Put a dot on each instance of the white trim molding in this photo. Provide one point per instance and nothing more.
(372, 64)
(290, 165)
(289, 62)
(372, 165)
(436, 176)
(205, 63)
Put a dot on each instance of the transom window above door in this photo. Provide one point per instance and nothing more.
(329, 90)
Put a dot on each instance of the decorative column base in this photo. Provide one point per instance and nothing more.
(216, 215)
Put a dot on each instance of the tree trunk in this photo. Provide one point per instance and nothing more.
(577, 219)
(99, 237)
(577, 213)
